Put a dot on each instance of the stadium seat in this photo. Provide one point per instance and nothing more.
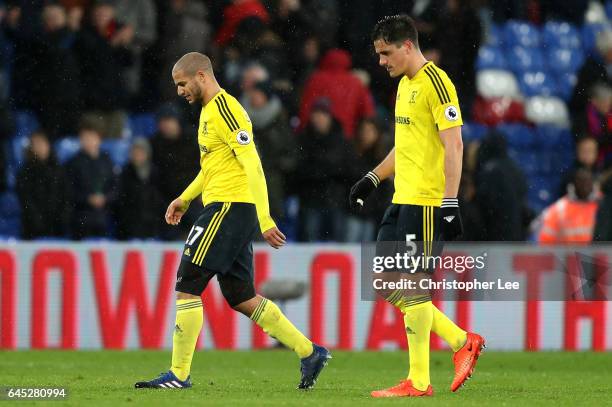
(18, 145)
(522, 59)
(542, 191)
(118, 151)
(142, 125)
(491, 83)
(473, 131)
(558, 34)
(494, 36)
(25, 123)
(490, 58)
(566, 82)
(551, 138)
(589, 36)
(521, 33)
(493, 111)
(66, 148)
(609, 9)
(519, 136)
(10, 211)
(561, 60)
(537, 83)
(547, 110)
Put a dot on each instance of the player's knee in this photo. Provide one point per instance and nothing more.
(186, 296)
(236, 291)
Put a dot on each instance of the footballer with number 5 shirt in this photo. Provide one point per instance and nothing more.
(426, 162)
(232, 185)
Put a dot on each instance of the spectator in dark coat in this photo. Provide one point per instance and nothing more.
(586, 157)
(275, 142)
(599, 121)
(176, 159)
(458, 44)
(594, 71)
(91, 177)
(56, 78)
(501, 191)
(102, 49)
(603, 220)
(370, 149)
(350, 99)
(43, 191)
(321, 179)
(140, 209)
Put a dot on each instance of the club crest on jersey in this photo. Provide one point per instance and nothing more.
(243, 137)
(451, 113)
(203, 149)
(413, 97)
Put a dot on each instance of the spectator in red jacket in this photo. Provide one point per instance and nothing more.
(233, 14)
(350, 99)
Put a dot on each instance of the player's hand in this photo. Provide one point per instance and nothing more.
(175, 211)
(452, 226)
(274, 237)
(361, 190)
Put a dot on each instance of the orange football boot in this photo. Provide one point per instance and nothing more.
(403, 389)
(465, 359)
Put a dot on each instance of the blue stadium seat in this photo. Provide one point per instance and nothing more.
(142, 125)
(495, 35)
(473, 131)
(558, 34)
(553, 139)
(66, 148)
(537, 83)
(566, 82)
(18, 145)
(10, 211)
(561, 60)
(118, 151)
(521, 33)
(491, 58)
(26, 123)
(589, 36)
(522, 59)
(542, 191)
(518, 136)
(609, 9)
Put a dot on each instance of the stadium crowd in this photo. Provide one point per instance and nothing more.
(96, 144)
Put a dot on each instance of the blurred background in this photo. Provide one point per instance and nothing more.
(95, 143)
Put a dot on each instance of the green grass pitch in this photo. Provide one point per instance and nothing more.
(268, 378)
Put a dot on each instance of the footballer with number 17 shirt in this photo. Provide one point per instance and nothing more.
(232, 186)
(426, 162)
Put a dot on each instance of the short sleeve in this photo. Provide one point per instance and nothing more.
(235, 125)
(443, 100)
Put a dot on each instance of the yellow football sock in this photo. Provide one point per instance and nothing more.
(418, 316)
(447, 330)
(189, 320)
(271, 319)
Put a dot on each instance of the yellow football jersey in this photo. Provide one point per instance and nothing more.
(225, 131)
(425, 105)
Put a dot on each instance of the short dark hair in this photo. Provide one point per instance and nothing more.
(396, 29)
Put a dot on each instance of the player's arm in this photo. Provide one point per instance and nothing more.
(257, 184)
(179, 206)
(364, 187)
(239, 138)
(453, 160)
(444, 104)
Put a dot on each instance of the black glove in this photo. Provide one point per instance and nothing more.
(451, 227)
(361, 190)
